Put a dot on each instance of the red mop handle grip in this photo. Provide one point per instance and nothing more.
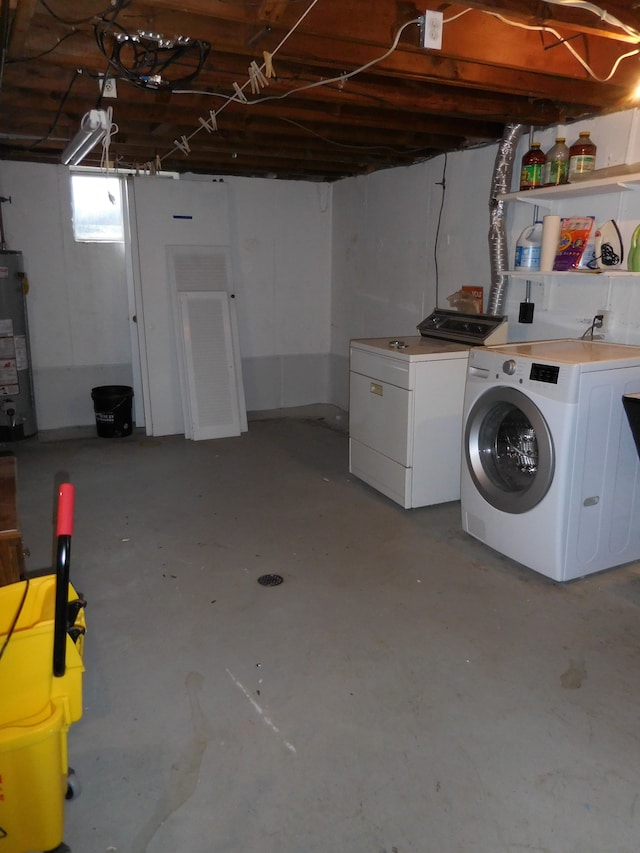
(66, 499)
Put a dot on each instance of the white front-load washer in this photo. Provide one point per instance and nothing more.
(550, 472)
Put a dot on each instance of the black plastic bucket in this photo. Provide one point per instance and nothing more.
(112, 405)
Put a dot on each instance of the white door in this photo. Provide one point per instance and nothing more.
(178, 214)
(211, 404)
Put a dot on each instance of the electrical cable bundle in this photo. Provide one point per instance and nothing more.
(143, 58)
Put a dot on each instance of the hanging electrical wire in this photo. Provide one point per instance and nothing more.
(110, 12)
(108, 16)
(441, 183)
(48, 51)
(604, 16)
(543, 28)
(4, 35)
(240, 97)
(77, 73)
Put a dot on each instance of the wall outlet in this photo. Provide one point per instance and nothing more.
(606, 320)
(432, 30)
(107, 87)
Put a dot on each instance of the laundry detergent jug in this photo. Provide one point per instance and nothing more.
(528, 248)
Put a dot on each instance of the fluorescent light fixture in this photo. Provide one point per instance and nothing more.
(93, 129)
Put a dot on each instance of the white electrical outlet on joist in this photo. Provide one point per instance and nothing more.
(432, 31)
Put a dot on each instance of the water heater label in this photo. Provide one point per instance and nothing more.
(4, 272)
(8, 373)
(22, 359)
(7, 348)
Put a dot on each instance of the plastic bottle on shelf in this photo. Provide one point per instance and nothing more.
(556, 170)
(528, 247)
(531, 172)
(582, 157)
(633, 257)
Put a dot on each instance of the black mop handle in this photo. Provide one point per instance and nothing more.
(66, 497)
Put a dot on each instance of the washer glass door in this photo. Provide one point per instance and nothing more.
(509, 450)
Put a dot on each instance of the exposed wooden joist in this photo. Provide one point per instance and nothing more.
(411, 104)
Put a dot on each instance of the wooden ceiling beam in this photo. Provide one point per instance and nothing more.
(566, 17)
(20, 26)
(412, 105)
(344, 50)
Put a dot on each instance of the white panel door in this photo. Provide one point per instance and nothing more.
(212, 397)
(204, 269)
(168, 213)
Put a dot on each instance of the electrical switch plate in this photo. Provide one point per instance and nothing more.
(107, 87)
(432, 31)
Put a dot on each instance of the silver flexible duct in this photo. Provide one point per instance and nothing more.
(501, 183)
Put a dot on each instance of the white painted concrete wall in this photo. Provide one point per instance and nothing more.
(315, 265)
(281, 246)
(78, 308)
(77, 302)
(384, 278)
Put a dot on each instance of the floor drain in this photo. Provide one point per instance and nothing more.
(270, 580)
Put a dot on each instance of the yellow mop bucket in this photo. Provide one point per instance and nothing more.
(41, 643)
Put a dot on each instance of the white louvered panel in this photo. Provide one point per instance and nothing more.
(198, 268)
(203, 269)
(211, 377)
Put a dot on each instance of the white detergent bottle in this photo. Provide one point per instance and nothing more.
(528, 247)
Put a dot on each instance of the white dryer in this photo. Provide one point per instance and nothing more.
(405, 406)
(550, 472)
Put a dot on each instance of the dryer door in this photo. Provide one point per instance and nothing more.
(509, 450)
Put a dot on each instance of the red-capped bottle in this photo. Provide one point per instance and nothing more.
(532, 163)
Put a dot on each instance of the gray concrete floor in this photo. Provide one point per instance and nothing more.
(405, 688)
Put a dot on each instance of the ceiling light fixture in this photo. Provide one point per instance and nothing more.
(93, 129)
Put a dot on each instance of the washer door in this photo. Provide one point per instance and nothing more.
(509, 450)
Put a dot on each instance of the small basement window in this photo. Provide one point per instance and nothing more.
(96, 202)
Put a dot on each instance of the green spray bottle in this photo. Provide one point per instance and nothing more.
(633, 259)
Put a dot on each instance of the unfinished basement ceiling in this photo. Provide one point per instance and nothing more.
(304, 89)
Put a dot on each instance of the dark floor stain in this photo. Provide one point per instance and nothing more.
(574, 675)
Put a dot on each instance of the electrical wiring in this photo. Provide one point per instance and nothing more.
(238, 97)
(569, 47)
(46, 52)
(109, 15)
(356, 147)
(340, 77)
(143, 58)
(605, 16)
(5, 31)
(106, 142)
(250, 3)
(443, 183)
(596, 323)
(77, 73)
(110, 10)
(556, 34)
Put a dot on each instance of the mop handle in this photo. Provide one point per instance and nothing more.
(64, 529)
(66, 497)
